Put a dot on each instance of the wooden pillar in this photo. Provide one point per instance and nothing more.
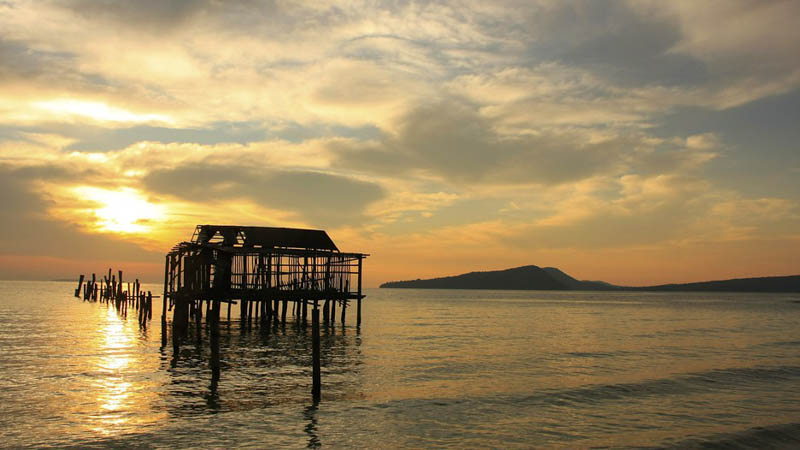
(344, 310)
(326, 311)
(198, 317)
(198, 312)
(109, 281)
(180, 320)
(316, 387)
(358, 312)
(214, 315)
(333, 312)
(78, 289)
(283, 312)
(257, 309)
(214, 344)
(92, 295)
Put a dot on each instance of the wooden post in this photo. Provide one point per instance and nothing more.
(316, 388)
(164, 302)
(283, 312)
(249, 314)
(78, 289)
(198, 316)
(256, 310)
(149, 305)
(180, 320)
(326, 311)
(141, 316)
(333, 312)
(358, 313)
(344, 309)
(92, 295)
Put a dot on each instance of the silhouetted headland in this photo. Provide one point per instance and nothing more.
(551, 278)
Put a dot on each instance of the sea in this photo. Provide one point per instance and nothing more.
(426, 369)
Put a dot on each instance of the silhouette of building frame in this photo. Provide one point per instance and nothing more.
(265, 270)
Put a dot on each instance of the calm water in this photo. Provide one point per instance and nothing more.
(428, 369)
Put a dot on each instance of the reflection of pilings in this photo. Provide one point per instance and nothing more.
(310, 414)
(316, 389)
(213, 317)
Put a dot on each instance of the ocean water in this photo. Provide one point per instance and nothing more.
(428, 368)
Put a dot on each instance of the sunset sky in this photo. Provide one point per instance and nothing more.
(632, 142)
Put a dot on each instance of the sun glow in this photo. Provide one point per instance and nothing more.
(97, 111)
(122, 211)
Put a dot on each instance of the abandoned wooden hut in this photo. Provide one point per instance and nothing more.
(265, 270)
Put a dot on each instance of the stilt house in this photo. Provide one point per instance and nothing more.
(263, 269)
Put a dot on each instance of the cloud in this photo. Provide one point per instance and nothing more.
(560, 124)
(624, 45)
(27, 230)
(452, 140)
(321, 199)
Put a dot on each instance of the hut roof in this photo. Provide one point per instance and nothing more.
(263, 236)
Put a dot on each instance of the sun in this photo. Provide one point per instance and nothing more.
(124, 210)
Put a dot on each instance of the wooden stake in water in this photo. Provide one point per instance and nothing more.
(78, 289)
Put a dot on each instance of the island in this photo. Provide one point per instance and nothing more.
(533, 277)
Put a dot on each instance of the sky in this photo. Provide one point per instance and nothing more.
(638, 143)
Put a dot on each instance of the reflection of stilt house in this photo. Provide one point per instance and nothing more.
(268, 270)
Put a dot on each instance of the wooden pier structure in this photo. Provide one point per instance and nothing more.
(273, 274)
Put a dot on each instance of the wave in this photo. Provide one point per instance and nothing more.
(774, 437)
(717, 379)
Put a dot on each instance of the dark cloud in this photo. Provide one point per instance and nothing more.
(20, 61)
(321, 198)
(147, 14)
(269, 18)
(612, 40)
(93, 138)
(26, 230)
(452, 140)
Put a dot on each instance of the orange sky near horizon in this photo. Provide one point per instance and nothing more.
(637, 143)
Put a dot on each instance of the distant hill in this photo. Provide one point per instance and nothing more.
(551, 278)
(519, 278)
(762, 284)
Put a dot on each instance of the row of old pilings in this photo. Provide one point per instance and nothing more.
(111, 291)
(266, 312)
